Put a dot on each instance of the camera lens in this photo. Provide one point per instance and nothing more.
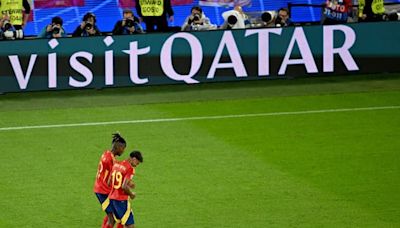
(88, 26)
(266, 17)
(129, 23)
(232, 19)
(56, 30)
(7, 26)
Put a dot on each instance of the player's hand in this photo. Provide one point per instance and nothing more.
(133, 196)
(131, 185)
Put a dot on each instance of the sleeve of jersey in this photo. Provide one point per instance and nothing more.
(129, 175)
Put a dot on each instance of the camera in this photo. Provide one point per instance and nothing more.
(196, 17)
(7, 25)
(393, 16)
(88, 25)
(278, 22)
(232, 19)
(11, 35)
(268, 16)
(56, 29)
(129, 23)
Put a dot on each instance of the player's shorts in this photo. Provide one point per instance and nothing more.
(105, 202)
(122, 212)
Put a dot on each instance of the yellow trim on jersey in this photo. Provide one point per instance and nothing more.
(105, 204)
(125, 218)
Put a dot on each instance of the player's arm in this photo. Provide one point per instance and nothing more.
(126, 188)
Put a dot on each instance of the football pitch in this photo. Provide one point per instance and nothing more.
(310, 152)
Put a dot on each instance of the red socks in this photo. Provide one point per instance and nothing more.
(119, 225)
(105, 220)
(105, 223)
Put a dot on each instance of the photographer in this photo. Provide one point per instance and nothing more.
(197, 20)
(283, 18)
(8, 31)
(53, 30)
(128, 25)
(18, 13)
(234, 19)
(88, 27)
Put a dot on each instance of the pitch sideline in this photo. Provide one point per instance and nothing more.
(200, 118)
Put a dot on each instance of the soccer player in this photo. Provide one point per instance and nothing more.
(121, 183)
(101, 186)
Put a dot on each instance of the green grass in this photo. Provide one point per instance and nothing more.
(338, 169)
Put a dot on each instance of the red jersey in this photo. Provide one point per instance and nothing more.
(121, 171)
(103, 173)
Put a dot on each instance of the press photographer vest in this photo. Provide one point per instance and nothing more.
(14, 8)
(377, 6)
(152, 7)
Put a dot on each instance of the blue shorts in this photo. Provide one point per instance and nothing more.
(105, 202)
(122, 212)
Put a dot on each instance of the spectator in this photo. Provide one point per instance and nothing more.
(370, 10)
(234, 19)
(88, 27)
(283, 18)
(337, 11)
(54, 30)
(128, 25)
(154, 13)
(18, 13)
(197, 20)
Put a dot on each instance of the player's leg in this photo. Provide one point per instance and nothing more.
(108, 221)
(105, 206)
(105, 221)
(123, 213)
(149, 21)
(111, 220)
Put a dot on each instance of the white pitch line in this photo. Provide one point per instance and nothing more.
(199, 118)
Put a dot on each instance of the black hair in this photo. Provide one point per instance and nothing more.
(198, 8)
(89, 15)
(286, 10)
(117, 138)
(57, 20)
(136, 154)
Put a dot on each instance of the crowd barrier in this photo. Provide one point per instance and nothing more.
(199, 57)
